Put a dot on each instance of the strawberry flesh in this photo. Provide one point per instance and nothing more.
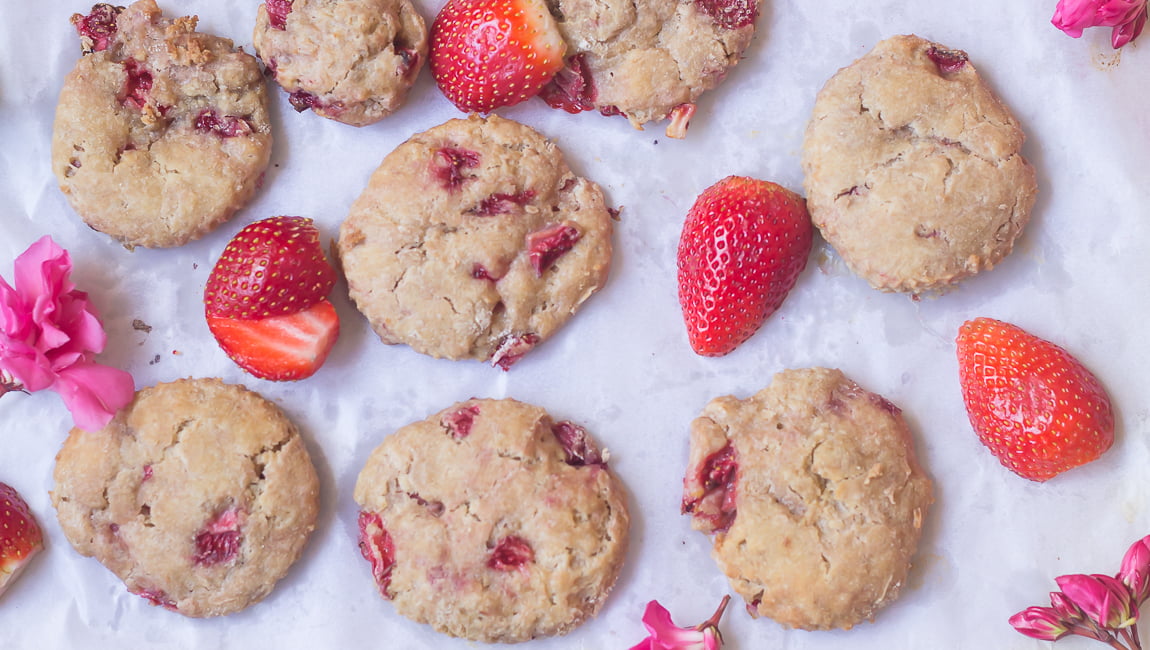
(511, 349)
(20, 535)
(948, 61)
(448, 164)
(744, 244)
(572, 89)
(97, 28)
(502, 203)
(228, 126)
(729, 14)
(485, 54)
(512, 552)
(377, 547)
(158, 598)
(549, 244)
(1034, 406)
(219, 540)
(279, 348)
(710, 495)
(271, 267)
(278, 11)
(137, 84)
(458, 423)
(577, 445)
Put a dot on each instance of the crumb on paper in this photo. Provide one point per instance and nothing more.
(154, 361)
(1107, 60)
(141, 326)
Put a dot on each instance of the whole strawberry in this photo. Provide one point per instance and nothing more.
(20, 537)
(490, 53)
(1037, 409)
(743, 246)
(266, 299)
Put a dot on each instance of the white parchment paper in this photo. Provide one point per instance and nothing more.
(622, 367)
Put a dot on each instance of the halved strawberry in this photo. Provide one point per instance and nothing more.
(490, 53)
(280, 348)
(743, 245)
(266, 303)
(20, 536)
(1036, 407)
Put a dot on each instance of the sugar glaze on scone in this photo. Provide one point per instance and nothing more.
(161, 132)
(813, 495)
(492, 522)
(647, 60)
(474, 240)
(352, 61)
(914, 171)
(199, 495)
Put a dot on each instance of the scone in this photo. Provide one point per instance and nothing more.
(813, 495)
(352, 61)
(161, 132)
(913, 168)
(474, 240)
(199, 495)
(647, 59)
(491, 522)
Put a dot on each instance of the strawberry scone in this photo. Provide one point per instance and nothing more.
(914, 171)
(647, 60)
(492, 522)
(199, 495)
(161, 132)
(474, 240)
(352, 61)
(813, 496)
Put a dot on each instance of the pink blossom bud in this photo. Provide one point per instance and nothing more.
(1135, 571)
(1127, 17)
(1040, 623)
(1103, 599)
(665, 635)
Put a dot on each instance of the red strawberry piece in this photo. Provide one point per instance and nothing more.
(512, 347)
(459, 422)
(377, 547)
(97, 28)
(709, 490)
(948, 61)
(20, 536)
(502, 203)
(512, 552)
(271, 267)
(228, 126)
(279, 348)
(547, 245)
(480, 272)
(680, 119)
(158, 598)
(571, 89)
(730, 14)
(577, 445)
(490, 53)
(278, 11)
(219, 540)
(1036, 407)
(743, 245)
(137, 84)
(448, 164)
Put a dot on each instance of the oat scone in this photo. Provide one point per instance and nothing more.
(813, 495)
(913, 168)
(648, 59)
(352, 61)
(474, 240)
(199, 495)
(492, 522)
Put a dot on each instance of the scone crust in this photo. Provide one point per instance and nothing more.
(448, 493)
(437, 250)
(913, 168)
(829, 498)
(144, 165)
(185, 458)
(644, 58)
(352, 61)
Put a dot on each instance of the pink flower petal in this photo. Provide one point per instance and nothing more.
(93, 393)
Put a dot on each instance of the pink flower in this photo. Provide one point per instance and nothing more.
(1103, 599)
(49, 333)
(1135, 571)
(665, 635)
(1040, 623)
(1127, 17)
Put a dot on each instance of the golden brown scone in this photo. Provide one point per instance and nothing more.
(474, 240)
(913, 168)
(814, 497)
(352, 61)
(491, 522)
(161, 132)
(199, 495)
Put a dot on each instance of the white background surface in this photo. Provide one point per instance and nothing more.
(622, 367)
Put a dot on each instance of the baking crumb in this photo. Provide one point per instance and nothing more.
(141, 326)
(154, 361)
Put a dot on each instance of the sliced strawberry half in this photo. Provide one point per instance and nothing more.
(20, 536)
(490, 53)
(280, 348)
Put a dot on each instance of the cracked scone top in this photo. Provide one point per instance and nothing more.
(647, 60)
(913, 170)
(199, 495)
(490, 521)
(474, 240)
(352, 61)
(813, 495)
(161, 132)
